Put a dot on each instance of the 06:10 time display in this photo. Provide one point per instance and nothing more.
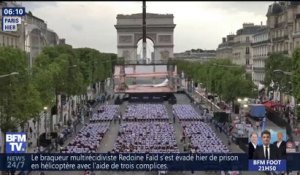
(10, 11)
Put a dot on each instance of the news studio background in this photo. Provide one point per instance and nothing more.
(144, 88)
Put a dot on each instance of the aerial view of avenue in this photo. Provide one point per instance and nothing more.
(152, 77)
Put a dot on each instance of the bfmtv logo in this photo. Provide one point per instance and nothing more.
(15, 142)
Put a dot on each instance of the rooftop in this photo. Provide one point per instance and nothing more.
(148, 15)
(249, 30)
(264, 29)
(275, 8)
(27, 14)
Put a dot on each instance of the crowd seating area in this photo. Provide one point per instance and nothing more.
(203, 139)
(186, 112)
(105, 113)
(87, 139)
(222, 127)
(148, 137)
(146, 129)
(153, 112)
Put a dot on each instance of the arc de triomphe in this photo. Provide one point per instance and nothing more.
(160, 30)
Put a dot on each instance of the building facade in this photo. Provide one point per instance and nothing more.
(242, 49)
(32, 34)
(252, 44)
(52, 38)
(283, 20)
(224, 50)
(201, 56)
(35, 36)
(261, 46)
(295, 6)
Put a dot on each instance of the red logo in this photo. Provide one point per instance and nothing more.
(289, 145)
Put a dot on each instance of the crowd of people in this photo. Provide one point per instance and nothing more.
(202, 138)
(105, 113)
(138, 112)
(150, 133)
(88, 139)
(147, 137)
(185, 112)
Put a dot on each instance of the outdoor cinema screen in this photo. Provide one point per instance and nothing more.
(145, 78)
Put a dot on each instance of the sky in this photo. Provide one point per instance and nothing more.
(198, 24)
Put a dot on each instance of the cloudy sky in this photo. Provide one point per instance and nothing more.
(198, 24)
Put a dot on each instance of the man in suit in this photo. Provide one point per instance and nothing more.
(280, 144)
(252, 144)
(266, 150)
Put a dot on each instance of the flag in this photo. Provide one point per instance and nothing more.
(260, 86)
(272, 84)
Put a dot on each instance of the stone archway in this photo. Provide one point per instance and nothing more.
(160, 29)
(150, 49)
(35, 41)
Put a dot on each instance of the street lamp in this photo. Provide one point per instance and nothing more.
(281, 71)
(72, 66)
(243, 102)
(6, 75)
(38, 128)
(61, 104)
(45, 120)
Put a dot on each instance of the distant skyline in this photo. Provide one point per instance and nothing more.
(198, 24)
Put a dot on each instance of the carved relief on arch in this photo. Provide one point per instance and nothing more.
(164, 54)
(125, 39)
(165, 38)
(126, 54)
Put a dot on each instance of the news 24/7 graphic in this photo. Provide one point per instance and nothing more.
(125, 162)
(15, 142)
(140, 162)
(11, 17)
(267, 150)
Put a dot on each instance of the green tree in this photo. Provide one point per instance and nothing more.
(57, 70)
(20, 100)
(43, 82)
(296, 78)
(277, 62)
(62, 66)
(220, 77)
(95, 66)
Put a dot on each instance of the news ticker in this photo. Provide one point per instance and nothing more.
(143, 162)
